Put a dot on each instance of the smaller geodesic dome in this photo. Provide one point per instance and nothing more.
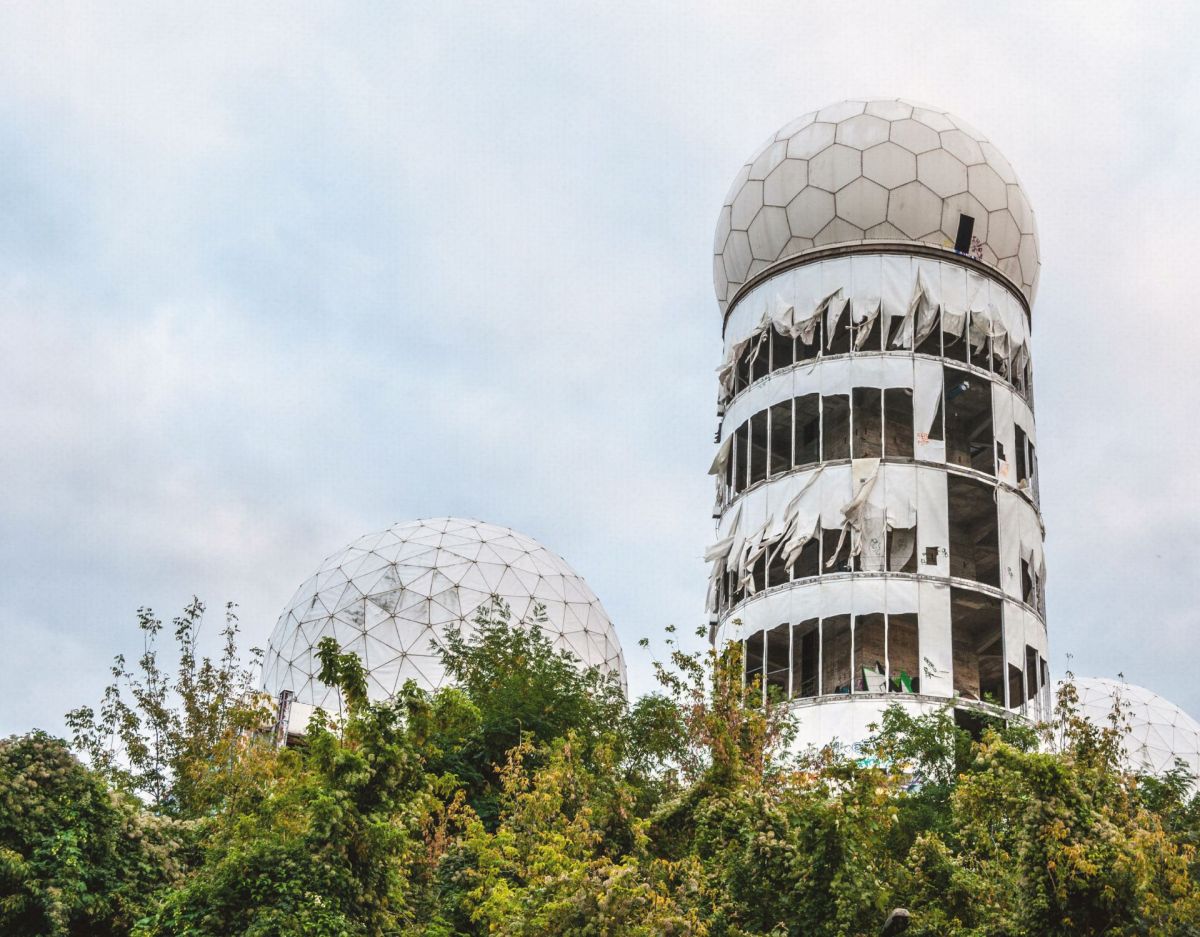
(390, 597)
(1159, 731)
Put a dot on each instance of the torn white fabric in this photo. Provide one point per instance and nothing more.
(1002, 423)
(927, 399)
(721, 459)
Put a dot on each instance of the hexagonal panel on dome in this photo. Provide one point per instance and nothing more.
(390, 596)
(920, 166)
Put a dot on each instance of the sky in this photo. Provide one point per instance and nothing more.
(273, 276)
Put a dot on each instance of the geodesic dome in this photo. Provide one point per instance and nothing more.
(871, 170)
(390, 596)
(1159, 731)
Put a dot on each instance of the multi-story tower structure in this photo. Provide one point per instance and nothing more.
(879, 536)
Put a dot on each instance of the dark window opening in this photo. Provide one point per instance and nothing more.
(754, 660)
(741, 443)
(806, 653)
(1031, 671)
(931, 556)
(1028, 587)
(977, 646)
(970, 441)
(903, 654)
(981, 354)
(898, 423)
(781, 351)
(758, 447)
(735, 592)
(867, 438)
(781, 437)
(758, 573)
(974, 543)
(902, 550)
(834, 560)
(808, 429)
(867, 335)
(835, 427)
(808, 564)
(761, 365)
(778, 656)
(932, 344)
(777, 573)
(1022, 459)
(893, 341)
(870, 675)
(839, 340)
(741, 379)
(835, 655)
(806, 352)
(1016, 687)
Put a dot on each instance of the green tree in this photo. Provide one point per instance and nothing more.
(175, 740)
(76, 858)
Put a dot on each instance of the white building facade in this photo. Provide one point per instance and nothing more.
(879, 534)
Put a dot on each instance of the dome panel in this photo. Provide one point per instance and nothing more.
(395, 631)
(1159, 731)
(925, 167)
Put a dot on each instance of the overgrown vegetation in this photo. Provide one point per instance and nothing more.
(531, 799)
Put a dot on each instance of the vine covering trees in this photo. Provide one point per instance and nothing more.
(530, 798)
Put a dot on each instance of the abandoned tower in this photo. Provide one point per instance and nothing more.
(879, 537)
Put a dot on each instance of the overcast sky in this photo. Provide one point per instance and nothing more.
(274, 276)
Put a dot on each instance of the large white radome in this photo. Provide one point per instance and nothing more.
(1159, 731)
(873, 170)
(390, 597)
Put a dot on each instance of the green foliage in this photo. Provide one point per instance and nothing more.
(529, 799)
(522, 688)
(75, 856)
(174, 740)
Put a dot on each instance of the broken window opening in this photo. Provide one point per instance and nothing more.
(810, 350)
(840, 338)
(806, 658)
(758, 447)
(740, 456)
(932, 345)
(782, 350)
(1016, 687)
(981, 357)
(781, 437)
(834, 560)
(835, 655)
(903, 654)
(777, 573)
(867, 435)
(835, 427)
(974, 537)
(898, 423)
(870, 675)
(758, 574)
(778, 657)
(808, 563)
(808, 429)
(1028, 585)
(761, 365)
(1032, 672)
(970, 439)
(753, 657)
(868, 335)
(977, 646)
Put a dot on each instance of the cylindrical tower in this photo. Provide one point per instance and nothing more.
(879, 537)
